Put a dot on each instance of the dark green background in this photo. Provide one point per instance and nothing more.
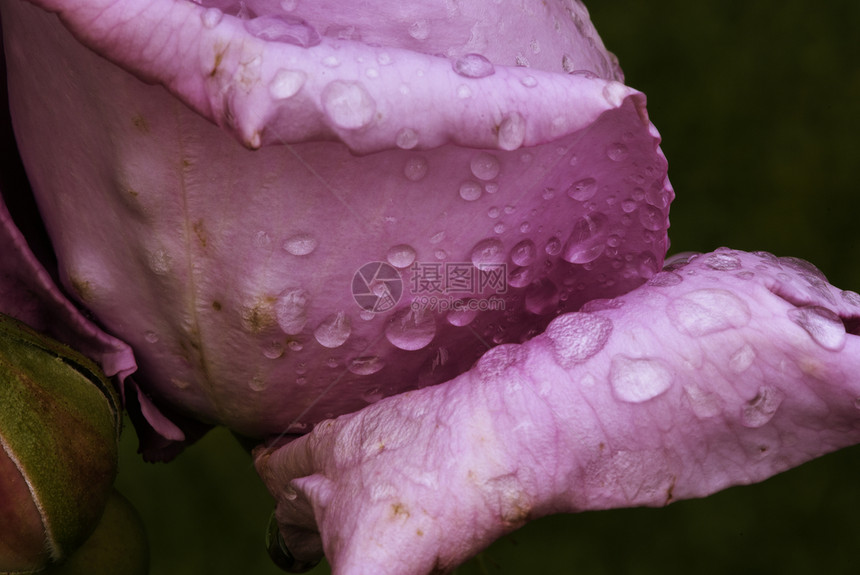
(759, 107)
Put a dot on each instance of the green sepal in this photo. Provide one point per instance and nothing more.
(59, 421)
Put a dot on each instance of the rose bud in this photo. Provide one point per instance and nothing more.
(59, 426)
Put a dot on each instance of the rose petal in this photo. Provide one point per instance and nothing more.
(676, 390)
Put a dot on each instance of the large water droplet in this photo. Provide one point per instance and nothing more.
(471, 191)
(488, 254)
(761, 409)
(587, 240)
(291, 310)
(473, 66)
(401, 256)
(284, 28)
(484, 166)
(541, 297)
(411, 329)
(529, 81)
(635, 380)
(415, 168)
(723, 262)
(523, 253)
(367, 365)
(567, 63)
(707, 311)
(577, 337)
(822, 325)
(286, 83)
(512, 132)
(348, 104)
(300, 244)
(334, 330)
(583, 189)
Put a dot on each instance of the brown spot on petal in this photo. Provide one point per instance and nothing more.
(399, 510)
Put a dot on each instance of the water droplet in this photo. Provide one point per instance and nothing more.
(636, 380)
(541, 297)
(300, 244)
(523, 253)
(211, 17)
(257, 383)
(512, 132)
(628, 206)
(587, 240)
(367, 314)
(583, 189)
(406, 139)
(295, 345)
(761, 409)
(367, 365)
(491, 187)
(437, 237)
(440, 254)
(499, 361)
(334, 330)
(284, 28)
(553, 246)
(617, 152)
(348, 105)
(488, 254)
(331, 362)
(520, 277)
(577, 337)
(411, 329)
(822, 325)
(371, 73)
(741, 359)
(499, 228)
(665, 279)
(705, 403)
(723, 262)
(286, 83)
(291, 310)
(273, 350)
(851, 297)
(647, 264)
(401, 256)
(651, 218)
(262, 240)
(463, 314)
(471, 191)
(525, 227)
(567, 63)
(494, 212)
(529, 81)
(484, 166)
(708, 311)
(419, 29)
(415, 169)
(160, 262)
(464, 92)
(151, 337)
(473, 66)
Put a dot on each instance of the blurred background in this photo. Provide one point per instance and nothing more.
(759, 107)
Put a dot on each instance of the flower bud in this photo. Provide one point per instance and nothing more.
(59, 427)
